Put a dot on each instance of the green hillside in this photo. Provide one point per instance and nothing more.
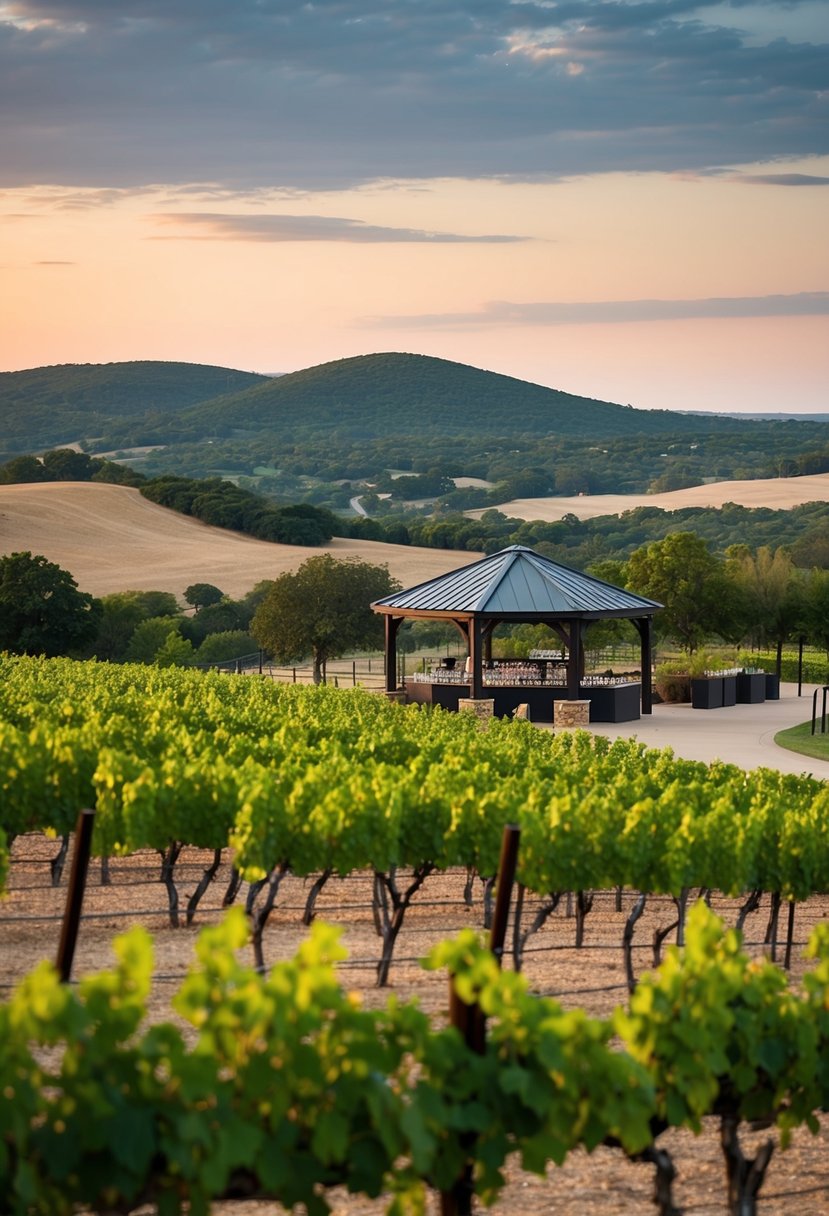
(69, 401)
(375, 396)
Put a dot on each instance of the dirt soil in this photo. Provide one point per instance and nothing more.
(602, 1184)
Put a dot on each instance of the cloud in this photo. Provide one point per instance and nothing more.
(249, 93)
(611, 312)
(781, 179)
(55, 263)
(280, 228)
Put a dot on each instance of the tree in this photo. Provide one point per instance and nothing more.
(64, 464)
(221, 647)
(216, 618)
(683, 575)
(323, 610)
(201, 595)
(815, 618)
(769, 591)
(149, 637)
(22, 469)
(41, 609)
(122, 613)
(175, 651)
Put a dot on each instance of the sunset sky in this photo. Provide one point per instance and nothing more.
(624, 200)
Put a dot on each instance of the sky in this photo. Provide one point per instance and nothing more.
(624, 200)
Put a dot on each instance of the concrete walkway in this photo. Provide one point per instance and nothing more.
(737, 734)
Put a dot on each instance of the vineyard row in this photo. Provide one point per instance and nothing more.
(320, 782)
(284, 1086)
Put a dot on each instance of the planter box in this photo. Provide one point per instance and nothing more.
(751, 688)
(772, 686)
(729, 690)
(707, 692)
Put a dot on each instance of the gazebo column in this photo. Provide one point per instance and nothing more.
(486, 636)
(393, 624)
(476, 692)
(645, 626)
(574, 660)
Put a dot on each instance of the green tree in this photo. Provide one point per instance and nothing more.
(22, 469)
(683, 575)
(41, 609)
(149, 637)
(815, 618)
(64, 464)
(323, 610)
(769, 591)
(227, 614)
(174, 651)
(201, 595)
(121, 614)
(220, 647)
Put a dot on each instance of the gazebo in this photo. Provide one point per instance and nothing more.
(518, 585)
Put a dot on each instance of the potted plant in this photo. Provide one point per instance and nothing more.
(672, 680)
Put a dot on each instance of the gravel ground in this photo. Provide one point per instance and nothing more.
(593, 977)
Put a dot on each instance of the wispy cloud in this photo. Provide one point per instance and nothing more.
(781, 179)
(55, 263)
(611, 312)
(216, 226)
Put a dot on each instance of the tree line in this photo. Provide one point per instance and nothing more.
(214, 501)
(320, 610)
(802, 530)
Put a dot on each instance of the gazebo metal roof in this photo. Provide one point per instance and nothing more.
(517, 582)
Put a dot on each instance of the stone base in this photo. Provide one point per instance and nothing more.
(483, 709)
(569, 714)
(398, 697)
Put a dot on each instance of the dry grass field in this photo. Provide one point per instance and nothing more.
(112, 539)
(777, 492)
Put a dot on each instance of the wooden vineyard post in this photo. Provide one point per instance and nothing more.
(75, 893)
(469, 1019)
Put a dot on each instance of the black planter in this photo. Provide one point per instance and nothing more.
(707, 692)
(772, 686)
(751, 688)
(729, 690)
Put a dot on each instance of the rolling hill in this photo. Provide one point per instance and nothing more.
(373, 396)
(51, 405)
(362, 398)
(111, 539)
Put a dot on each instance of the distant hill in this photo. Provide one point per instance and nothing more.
(364, 398)
(304, 436)
(374, 396)
(49, 405)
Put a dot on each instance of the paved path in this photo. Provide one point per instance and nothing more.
(737, 734)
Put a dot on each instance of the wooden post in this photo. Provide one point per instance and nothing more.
(74, 895)
(469, 1020)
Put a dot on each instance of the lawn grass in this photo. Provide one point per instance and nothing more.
(800, 739)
